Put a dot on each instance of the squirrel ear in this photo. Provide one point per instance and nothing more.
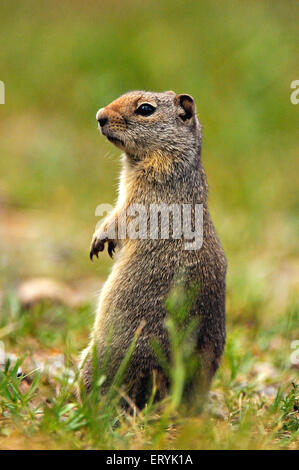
(186, 102)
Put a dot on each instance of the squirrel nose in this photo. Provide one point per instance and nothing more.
(102, 120)
(101, 117)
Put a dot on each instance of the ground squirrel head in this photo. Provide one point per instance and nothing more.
(144, 123)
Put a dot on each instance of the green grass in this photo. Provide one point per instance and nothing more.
(41, 410)
(60, 63)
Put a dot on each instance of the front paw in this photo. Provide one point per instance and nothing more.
(98, 244)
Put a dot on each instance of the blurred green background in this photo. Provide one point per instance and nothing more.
(61, 61)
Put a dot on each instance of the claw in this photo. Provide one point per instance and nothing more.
(111, 248)
(99, 245)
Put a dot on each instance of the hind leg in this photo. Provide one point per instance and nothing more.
(150, 386)
(210, 308)
(86, 372)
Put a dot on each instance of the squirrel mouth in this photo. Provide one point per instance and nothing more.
(115, 140)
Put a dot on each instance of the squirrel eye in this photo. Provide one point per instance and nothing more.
(145, 109)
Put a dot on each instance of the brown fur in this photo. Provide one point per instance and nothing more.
(161, 164)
